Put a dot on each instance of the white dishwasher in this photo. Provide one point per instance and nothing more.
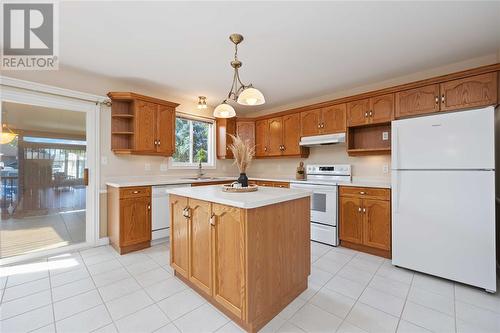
(160, 223)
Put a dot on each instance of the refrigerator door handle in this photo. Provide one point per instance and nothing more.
(398, 191)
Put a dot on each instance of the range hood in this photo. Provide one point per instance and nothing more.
(318, 140)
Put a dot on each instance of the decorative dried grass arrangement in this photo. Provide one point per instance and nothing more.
(243, 153)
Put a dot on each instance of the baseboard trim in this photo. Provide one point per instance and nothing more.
(102, 241)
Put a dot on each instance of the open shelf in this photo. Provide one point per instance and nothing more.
(369, 140)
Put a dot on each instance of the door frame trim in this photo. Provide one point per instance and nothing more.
(32, 93)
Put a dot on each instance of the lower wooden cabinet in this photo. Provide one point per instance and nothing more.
(207, 241)
(129, 218)
(365, 219)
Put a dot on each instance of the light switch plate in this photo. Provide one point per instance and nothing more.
(385, 168)
(385, 136)
(147, 167)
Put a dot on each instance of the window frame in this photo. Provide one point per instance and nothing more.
(211, 158)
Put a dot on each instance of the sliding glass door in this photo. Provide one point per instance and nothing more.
(43, 199)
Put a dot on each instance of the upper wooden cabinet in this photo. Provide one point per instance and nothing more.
(328, 120)
(374, 110)
(261, 137)
(475, 91)
(279, 136)
(417, 101)
(225, 126)
(245, 129)
(142, 124)
(465, 93)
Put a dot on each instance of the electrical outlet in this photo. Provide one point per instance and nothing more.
(385, 168)
(147, 167)
(163, 167)
(385, 136)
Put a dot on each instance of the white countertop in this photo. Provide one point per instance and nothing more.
(171, 180)
(263, 197)
(162, 180)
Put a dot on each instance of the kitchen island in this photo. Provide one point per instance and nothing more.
(247, 253)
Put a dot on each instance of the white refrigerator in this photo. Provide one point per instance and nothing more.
(443, 196)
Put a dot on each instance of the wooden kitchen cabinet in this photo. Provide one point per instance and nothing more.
(365, 219)
(179, 232)
(129, 218)
(225, 127)
(374, 110)
(351, 225)
(417, 101)
(245, 262)
(376, 224)
(275, 133)
(279, 136)
(200, 244)
(228, 258)
(469, 92)
(246, 131)
(327, 120)
(142, 125)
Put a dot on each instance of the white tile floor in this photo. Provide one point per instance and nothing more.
(99, 291)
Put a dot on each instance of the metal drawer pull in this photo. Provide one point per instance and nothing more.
(135, 192)
(212, 220)
(362, 192)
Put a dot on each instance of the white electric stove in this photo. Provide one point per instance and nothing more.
(323, 180)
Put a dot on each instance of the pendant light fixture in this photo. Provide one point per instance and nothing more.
(241, 93)
(202, 102)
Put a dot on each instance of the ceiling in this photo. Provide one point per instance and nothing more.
(40, 119)
(292, 50)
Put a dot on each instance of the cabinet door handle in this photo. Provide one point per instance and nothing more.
(149, 206)
(362, 193)
(186, 212)
(319, 125)
(135, 192)
(359, 209)
(371, 113)
(265, 148)
(364, 210)
(156, 143)
(437, 100)
(159, 142)
(366, 114)
(212, 220)
(442, 99)
(284, 148)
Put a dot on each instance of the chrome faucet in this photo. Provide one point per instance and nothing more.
(200, 172)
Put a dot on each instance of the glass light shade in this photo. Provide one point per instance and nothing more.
(224, 110)
(251, 96)
(7, 137)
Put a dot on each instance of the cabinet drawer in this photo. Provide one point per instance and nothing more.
(135, 192)
(365, 192)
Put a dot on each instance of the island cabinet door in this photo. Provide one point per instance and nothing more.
(351, 220)
(228, 253)
(200, 272)
(179, 235)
